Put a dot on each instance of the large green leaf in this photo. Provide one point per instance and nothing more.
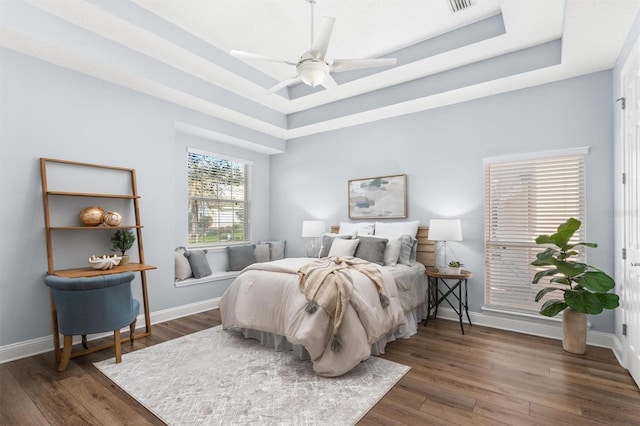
(584, 243)
(596, 281)
(545, 239)
(570, 269)
(565, 232)
(545, 257)
(561, 280)
(551, 308)
(546, 290)
(540, 274)
(583, 301)
(608, 300)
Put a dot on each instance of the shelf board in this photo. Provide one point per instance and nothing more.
(99, 228)
(90, 194)
(90, 272)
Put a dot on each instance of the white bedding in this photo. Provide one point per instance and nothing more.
(264, 301)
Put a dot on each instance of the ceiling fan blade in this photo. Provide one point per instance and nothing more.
(284, 84)
(340, 65)
(247, 55)
(321, 40)
(329, 82)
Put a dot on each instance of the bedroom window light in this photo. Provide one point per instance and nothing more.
(218, 199)
(525, 197)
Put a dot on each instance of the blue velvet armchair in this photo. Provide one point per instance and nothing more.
(93, 305)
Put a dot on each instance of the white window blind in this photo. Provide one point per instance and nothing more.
(524, 199)
(218, 197)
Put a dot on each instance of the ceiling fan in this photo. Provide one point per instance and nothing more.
(311, 68)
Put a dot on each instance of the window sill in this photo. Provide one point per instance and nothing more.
(216, 276)
(217, 248)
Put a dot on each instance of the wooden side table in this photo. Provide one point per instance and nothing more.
(451, 282)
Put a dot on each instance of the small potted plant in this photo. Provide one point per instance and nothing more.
(121, 241)
(454, 267)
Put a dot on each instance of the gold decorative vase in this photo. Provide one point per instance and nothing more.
(574, 331)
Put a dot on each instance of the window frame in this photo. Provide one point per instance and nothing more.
(512, 255)
(247, 164)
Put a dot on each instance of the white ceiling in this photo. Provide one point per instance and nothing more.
(96, 37)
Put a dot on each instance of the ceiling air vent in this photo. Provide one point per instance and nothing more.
(458, 5)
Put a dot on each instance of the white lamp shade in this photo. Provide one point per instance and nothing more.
(445, 230)
(312, 228)
(313, 73)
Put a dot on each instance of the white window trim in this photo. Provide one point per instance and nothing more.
(578, 151)
(582, 150)
(222, 156)
(222, 246)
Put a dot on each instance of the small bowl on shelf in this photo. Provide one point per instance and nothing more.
(104, 262)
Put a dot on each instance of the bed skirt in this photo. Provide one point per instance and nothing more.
(281, 344)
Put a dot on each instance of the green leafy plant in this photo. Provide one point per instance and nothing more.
(455, 264)
(122, 240)
(586, 288)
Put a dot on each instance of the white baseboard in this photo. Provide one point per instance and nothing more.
(554, 331)
(45, 344)
(618, 351)
(505, 322)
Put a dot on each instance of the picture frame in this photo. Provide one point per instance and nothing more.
(383, 197)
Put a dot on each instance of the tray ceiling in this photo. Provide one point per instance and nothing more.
(179, 51)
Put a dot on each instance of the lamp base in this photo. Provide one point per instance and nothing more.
(311, 249)
(441, 257)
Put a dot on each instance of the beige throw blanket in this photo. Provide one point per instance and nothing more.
(327, 283)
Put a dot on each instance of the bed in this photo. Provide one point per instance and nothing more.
(265, 303)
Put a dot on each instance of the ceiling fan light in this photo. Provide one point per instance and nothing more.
(313, 73)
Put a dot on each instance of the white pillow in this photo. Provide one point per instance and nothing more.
(341, 247)
(392, 251)
(396, 229)
(361, 228)
(182, 266)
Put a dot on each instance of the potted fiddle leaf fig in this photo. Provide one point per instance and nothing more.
(585, 288)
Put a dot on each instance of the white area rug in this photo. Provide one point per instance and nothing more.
(214, 377)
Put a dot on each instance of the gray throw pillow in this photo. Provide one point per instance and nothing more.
(371, 249)
(277, 249)
(241, 256)
(407, 250)
(182, 266)
(327, 240)
(263, 252)
(198, 262)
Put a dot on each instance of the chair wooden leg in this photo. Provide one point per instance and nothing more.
(117, 346)
(66, 353)
(132, 328)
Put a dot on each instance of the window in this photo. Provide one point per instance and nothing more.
(218, 196)
(525, 198)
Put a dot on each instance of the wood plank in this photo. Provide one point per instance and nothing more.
(90, 272)
(15, 405)
(42, 386)
(97, 399)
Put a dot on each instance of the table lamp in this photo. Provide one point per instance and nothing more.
(312, 229)
(444, 230)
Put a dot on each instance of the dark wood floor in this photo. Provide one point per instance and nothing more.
(487, 376)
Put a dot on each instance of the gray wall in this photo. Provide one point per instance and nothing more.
(51, 112)
(441, 151)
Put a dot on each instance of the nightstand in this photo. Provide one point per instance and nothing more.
(449, 283)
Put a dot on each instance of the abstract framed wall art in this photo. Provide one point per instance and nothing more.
(378, 197)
